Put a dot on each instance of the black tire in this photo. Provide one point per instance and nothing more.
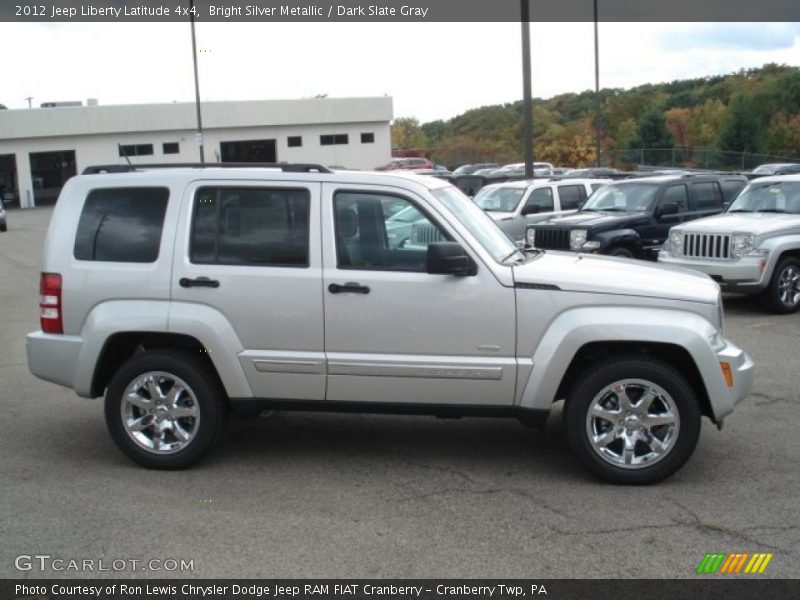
(210, 402)
(774, 298)
(4, 227)
(620, 252)
(632, 367)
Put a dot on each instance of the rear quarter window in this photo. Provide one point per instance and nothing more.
(121, 225)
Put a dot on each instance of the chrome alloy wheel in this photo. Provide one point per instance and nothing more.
(789, 286)
(632, 423)
(160, 412)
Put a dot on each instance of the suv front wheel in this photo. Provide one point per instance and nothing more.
(164, 409)
(783, 294)
(632, 420)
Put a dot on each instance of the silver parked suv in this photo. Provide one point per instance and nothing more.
(752, 248)
(184, 293)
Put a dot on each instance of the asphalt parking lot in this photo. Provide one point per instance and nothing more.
(305, 495)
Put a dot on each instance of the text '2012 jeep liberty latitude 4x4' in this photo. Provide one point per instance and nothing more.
(183, 293)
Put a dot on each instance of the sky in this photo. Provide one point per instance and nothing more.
(431, 70)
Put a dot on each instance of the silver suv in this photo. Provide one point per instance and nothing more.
(517, 204)
(181, 294)
(752, 248)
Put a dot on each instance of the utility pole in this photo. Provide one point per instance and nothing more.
(196, 86)
(527, 105)
(29, 98)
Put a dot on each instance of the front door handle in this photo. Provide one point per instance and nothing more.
(348, 288)
(199, 282)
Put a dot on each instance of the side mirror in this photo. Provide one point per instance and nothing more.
(449, 258)
(530, 209)
(671, 208)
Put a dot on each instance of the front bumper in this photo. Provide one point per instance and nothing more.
(746, 274)
(742, 372)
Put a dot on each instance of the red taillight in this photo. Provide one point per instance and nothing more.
(50, 303)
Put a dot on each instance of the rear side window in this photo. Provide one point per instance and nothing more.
(121, 225)
(571, 196)
(731, 188)
(250, 226)
(706, 195)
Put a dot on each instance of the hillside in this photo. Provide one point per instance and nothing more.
(755, 111)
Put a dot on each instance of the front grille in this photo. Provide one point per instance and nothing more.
(423, 234)
(551, 239)
(707, 245)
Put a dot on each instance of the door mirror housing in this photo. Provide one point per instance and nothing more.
(670, 208)
(530, 209)
(449, 258)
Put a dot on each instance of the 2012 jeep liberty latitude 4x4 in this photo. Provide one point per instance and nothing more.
(184, 293)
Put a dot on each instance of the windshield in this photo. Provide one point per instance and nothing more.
(499, 199)
(779, 196)
(479, 224)
(632, 197)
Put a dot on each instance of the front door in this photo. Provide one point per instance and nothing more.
(396, 334)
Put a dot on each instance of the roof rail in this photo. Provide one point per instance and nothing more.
(285, 167)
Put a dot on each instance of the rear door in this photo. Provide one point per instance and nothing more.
(397, 334)
(705, 199)
(570, 197)
(251, 255)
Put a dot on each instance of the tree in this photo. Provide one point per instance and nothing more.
(741, 130)
(652, 134)
(406, 133)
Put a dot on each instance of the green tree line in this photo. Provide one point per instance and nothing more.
(753, 110)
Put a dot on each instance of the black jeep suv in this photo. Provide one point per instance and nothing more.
(632, 218)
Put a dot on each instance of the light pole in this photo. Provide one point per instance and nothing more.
(597, 106)
(527, 107)
(196, 86)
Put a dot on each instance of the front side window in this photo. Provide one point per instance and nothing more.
(676, 194)
(571, 196)
(367, 239)
(121, 225)
(499, 199)
(251, 226)
(541, 198)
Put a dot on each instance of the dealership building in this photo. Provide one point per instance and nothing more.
(41, 148)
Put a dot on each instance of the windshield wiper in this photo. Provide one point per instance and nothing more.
(735, 210)
(772, 210)
(516, 251)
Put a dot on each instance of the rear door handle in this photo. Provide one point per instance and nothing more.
(199, 282)
(348, 288)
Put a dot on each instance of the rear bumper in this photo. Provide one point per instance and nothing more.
(54, 358)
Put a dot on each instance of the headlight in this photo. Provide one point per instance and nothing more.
(577, 238)
(742, 244)
(675, 242)
(530, 236)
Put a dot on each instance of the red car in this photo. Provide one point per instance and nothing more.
(407, 163)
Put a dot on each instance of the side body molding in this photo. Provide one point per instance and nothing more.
(575, 328)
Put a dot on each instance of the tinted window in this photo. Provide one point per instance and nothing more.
(676, 194)
(171, 148)
(731, 187)
(251, 226)
(623, 197)
(294, 141)
(706, 195)
(367, 239)
(367, 138)
(333, 139)
(543, 198)
(571, 196)
(121, 225)
(136, 150)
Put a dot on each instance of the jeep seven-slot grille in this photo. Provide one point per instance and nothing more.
(551, 239)
(707, 245)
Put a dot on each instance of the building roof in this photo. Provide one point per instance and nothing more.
(181, 116)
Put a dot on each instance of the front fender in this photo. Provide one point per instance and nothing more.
(617, 237)
(575, 328)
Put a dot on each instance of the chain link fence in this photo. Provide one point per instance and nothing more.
(690, 158)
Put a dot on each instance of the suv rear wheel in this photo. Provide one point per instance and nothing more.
(632, 420)
(783, 294)
(164, 409)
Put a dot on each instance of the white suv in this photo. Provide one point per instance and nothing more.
(517, 204)
(182, 294)
(752, 248)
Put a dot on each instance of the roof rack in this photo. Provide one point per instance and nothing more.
(285, 167)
